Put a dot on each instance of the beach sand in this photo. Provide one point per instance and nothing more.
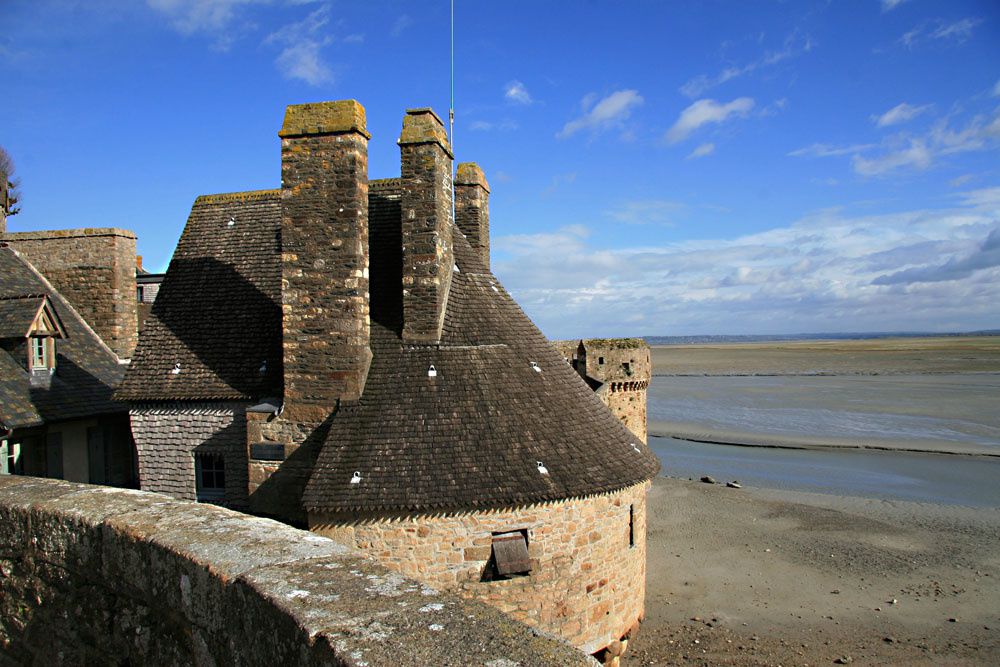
(767, 577)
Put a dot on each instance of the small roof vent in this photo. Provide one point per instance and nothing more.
(455, 268)
(432, 372)
(535, 367)
(541, 468)
(635, 447)
(232, 221)
(176, 370)
(263, 367)
(356, 477)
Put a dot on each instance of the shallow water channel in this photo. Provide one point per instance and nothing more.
(955, 409)
(947, 479)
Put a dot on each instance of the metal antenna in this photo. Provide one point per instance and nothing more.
(451, 110)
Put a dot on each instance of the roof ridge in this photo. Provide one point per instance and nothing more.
(248, 195)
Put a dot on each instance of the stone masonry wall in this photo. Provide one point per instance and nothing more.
(95, 270)
(620, 369)
(100, 576)
(167, 436)
(587, 584)
(472, 207)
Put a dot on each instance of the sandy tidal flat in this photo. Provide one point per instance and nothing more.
(763, 577)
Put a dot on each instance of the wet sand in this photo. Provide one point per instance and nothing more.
(766, 577)
(950, 354)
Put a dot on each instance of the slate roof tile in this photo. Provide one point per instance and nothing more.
(86, 369)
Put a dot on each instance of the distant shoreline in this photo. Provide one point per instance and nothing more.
(695, 433)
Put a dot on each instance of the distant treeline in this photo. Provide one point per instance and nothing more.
(694, 340)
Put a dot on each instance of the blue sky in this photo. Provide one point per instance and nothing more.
(658, 168)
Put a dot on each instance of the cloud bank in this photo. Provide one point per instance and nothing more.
(924, 269)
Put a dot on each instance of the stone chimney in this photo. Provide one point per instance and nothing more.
(425, 205)
(472, 208)
(324, 257)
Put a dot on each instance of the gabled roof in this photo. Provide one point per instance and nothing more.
(86, 369)
(18, 315)
(470, 437)
(218, 311)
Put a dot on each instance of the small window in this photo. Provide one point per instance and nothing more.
(509, 557)
(41, 353)
(600, 360)
(10, 458)
(210, 477)
(138, 293)
(631, 525)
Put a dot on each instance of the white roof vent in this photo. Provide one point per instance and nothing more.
(455, 268)
(232, 221)
(635, 448)
(541, 468)
(432, 372)
(356, 477)
(176, 370)
(535, 367)
(495, 289)
(263, 367)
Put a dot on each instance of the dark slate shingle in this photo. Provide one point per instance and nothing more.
(86, 369)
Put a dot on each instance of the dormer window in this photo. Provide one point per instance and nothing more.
(42, 353)
(31, 322)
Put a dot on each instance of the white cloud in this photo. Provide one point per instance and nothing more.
(903, 151)
(516, 92)
(191, 16)
(826, 150)
(996, 89)
(646, 211)
(488, 126)
(916, 155)
(301, 43)
(795, 44)
(704, 112)
(400, 24)
(957, 31)
(920, 269)
(702, 151)
(900, 113)
(889, 5)
(610, 112)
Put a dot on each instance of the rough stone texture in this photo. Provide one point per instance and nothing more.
(472, 208)
(587, 583)
(618, 370)
(428, 255)
(275, 486)
(324, 257)
(95, 270)
(93, 575)
(167, 436)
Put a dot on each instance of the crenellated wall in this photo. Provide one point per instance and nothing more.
(94, 575)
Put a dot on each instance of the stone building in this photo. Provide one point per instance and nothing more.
(57, 415)
(618, 370)
(356, 368)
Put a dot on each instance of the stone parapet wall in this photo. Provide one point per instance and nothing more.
(94, 575)
(168, 436)
(587, 580)
(95, 270)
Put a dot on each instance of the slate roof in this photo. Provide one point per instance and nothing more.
(218, 311)
(18, 313)
(86, 369)
(471, 437)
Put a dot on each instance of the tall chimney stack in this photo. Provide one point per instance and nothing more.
(425, 205)
(472, 208)
(324, 257)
